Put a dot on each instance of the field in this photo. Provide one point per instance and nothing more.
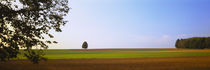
(117, 59)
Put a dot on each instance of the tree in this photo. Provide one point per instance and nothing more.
(24, 24)
(177, 43)
(85, 45)
(193, 43)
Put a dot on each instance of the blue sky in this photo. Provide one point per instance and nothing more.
(133, 23)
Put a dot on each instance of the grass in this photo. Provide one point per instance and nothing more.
(107, 59)
(126, 55)
(141, 53)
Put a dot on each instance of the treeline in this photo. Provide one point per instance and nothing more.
(193, 43)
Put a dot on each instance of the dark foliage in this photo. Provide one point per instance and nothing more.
(24, 24)
(193, 43)
(85, 45)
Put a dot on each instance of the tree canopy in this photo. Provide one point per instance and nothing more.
(24, 24)
(85, 45)
(193, 43)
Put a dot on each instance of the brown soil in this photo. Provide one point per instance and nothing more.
(178, 63)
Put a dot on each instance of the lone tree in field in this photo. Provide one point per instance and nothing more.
(85, 45)
(24, 24)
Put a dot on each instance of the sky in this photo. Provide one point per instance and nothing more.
(133, 23)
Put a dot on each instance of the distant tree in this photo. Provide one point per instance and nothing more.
(25, 24)
(177, 43)
(207, 43)
(194, 43)
(85, 45)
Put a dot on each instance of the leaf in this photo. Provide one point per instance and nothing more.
(51, 36)
(55, 42)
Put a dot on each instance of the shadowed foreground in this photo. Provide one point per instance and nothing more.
(178, 63)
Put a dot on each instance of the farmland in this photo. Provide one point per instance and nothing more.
(122, 53)
(117, 59)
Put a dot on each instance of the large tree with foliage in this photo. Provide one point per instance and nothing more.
(24, 24)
